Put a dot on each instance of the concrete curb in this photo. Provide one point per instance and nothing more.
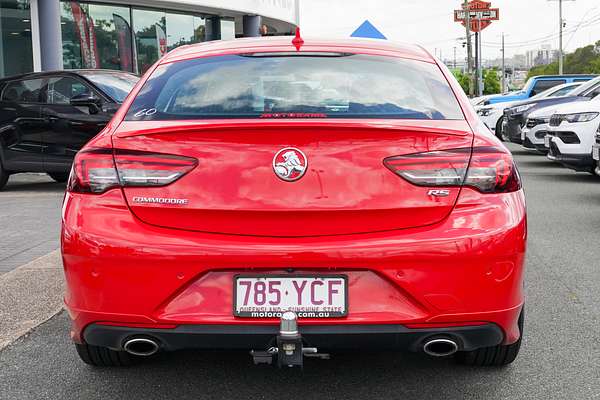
(29, 296)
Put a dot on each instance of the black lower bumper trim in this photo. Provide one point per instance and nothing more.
(578, 162)
(324, 337)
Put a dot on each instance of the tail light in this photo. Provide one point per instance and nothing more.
(98, 170)
(487, 169)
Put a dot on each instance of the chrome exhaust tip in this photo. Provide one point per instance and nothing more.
(143, 347)
(440, 347)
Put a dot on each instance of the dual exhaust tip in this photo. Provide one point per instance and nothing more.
(440, 347)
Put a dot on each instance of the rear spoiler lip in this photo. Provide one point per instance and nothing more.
(144, 128)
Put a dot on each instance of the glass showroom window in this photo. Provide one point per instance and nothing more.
(150, 37)
(96, 36)
(184, 29)
(16, 54)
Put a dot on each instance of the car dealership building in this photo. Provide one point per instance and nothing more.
(39, 35)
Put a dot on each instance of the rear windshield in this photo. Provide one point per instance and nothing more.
(255, 86)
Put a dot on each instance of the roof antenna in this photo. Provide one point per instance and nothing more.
(298, 41)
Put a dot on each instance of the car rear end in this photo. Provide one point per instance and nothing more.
(350, 185)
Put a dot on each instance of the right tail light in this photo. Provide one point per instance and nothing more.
(487, 169)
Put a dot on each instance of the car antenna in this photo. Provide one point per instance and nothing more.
(298, 41)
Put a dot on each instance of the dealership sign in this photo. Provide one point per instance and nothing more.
(481, 14)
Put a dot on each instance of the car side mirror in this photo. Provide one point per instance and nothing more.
(87, 100)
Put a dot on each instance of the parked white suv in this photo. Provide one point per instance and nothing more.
(571, 134)
(492, 114)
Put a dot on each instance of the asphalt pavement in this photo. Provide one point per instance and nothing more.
(560, 357)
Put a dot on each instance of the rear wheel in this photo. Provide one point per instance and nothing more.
(59, 177)
(495, 355)
(103, 357)
(3, 177)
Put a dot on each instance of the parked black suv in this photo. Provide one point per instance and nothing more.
(45, 118)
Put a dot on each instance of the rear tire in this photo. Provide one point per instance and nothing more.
(58, 176)
(3, 177)
(495, 356)
(498, 132)
(103, 357)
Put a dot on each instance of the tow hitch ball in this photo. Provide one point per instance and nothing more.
(289, 351)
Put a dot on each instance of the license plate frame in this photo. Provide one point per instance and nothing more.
(547, 139)
(277, 313)
(596, 152)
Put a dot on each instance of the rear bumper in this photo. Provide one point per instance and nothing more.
(323, 337)
(464, 270)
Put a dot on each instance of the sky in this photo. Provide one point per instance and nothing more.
(527, 24)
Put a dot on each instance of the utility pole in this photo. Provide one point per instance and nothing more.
(454, 57)
(469, 48)
(503, 67)
(561, 66)
(561, 23)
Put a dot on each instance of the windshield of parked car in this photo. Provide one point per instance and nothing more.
(556, 91)
(280, 85)
(585, 87)
(115, 85)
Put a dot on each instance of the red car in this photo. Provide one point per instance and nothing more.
(291, 198)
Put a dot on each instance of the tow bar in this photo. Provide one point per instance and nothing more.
(289, 351)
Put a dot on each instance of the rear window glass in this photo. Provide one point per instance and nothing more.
(254, 86)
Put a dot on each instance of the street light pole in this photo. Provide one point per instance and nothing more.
(469, 48)
(503, 67)
(560, 36)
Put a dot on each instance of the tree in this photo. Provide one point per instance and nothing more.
(491, 82)
(462, 79)
(585, 60)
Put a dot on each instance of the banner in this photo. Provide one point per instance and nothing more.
(161, 40)
(124, 42)
(84, 27)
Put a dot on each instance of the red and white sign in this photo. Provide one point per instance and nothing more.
(161, 40)
(84, 27)
(481, 14)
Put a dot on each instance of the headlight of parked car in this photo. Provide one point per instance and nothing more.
(581, 117)
(523, 108)
(485, 112)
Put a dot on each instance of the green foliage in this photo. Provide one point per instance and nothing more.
(491, 82)
(490, 79)
(585, 60)
(462, 78)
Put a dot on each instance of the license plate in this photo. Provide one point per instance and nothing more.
(596, 153)
(308, 296)
(547, 141)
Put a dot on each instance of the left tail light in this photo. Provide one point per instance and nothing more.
(98, 170)
(487, 169)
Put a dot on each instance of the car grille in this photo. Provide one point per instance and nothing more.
(568, 137)
(533, 122)
(556, 120)
(541, 134)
